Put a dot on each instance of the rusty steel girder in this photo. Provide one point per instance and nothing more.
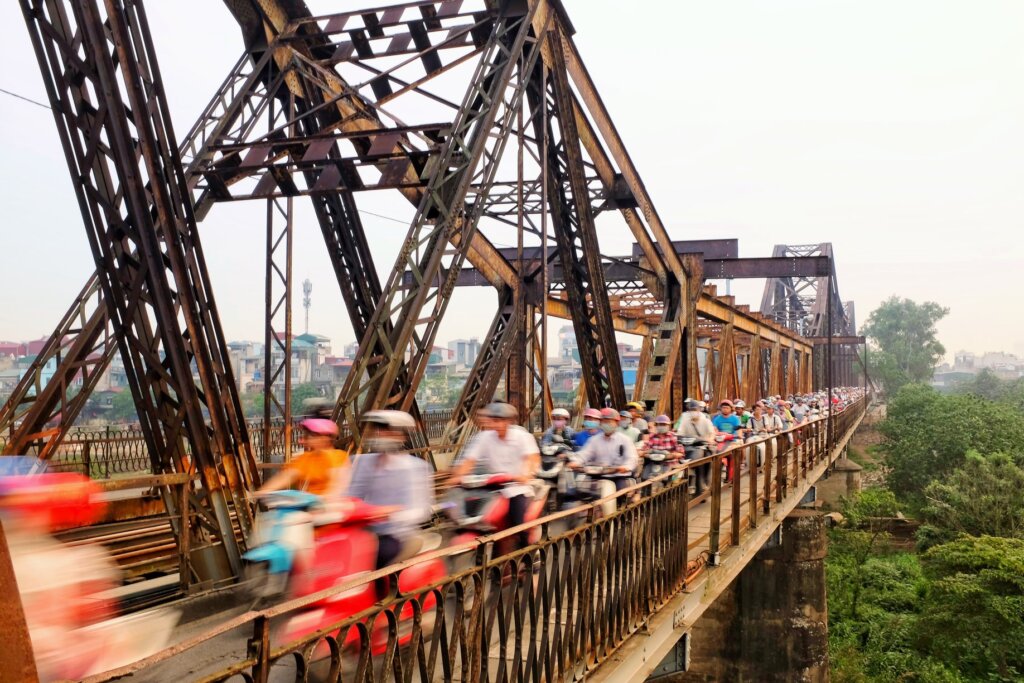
(39, 413)
(406, 319)
(108, 102)
(576, 239)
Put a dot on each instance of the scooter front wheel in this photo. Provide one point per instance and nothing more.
(261, 583)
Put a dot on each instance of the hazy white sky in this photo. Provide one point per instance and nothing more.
(893, 129)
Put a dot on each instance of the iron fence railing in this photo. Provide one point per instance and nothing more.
(553, 611)
(108, 451)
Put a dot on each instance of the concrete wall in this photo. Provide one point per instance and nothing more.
(771, 624)
(843, 481)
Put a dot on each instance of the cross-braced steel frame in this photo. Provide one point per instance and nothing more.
(329, 107)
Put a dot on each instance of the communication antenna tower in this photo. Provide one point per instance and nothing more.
(307, 290)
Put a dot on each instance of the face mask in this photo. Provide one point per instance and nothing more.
(590, 424)
(608, 427)
(384, 444)
(623, 423)
(662, 429)
(558, 424)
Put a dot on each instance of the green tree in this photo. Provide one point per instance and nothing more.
(302, 393)
(988, 386)
(985, 496)
(973, 615)
(858, 539)
(928, 434)
(122, 407)
(906, 349)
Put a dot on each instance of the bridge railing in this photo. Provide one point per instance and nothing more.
(552, 611)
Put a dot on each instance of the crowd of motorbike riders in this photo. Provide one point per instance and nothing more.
(504, 467)
(327, 517)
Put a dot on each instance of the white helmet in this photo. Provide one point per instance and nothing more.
(740, 404)
(560, 412)
(390, 419)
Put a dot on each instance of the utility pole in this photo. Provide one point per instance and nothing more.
(307, 301)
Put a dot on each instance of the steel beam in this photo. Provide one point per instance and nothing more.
(576, 237)
(39, 410)
(39, 413)
(404, 312)
(107, 97)
(853, 340)
(629, 269)
(278, 328)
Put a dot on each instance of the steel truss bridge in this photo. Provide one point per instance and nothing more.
(321, 109)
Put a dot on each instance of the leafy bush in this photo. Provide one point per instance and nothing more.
(927, 435)
(973, 615)
(985, 496)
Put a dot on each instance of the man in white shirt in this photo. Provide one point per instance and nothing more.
(504, 448)
(610, 448)
(695, 424)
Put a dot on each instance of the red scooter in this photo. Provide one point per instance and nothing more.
(67, 591)
(479, 505)
(345, 548)
(725, 441)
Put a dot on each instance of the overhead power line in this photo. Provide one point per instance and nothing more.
(27, 99)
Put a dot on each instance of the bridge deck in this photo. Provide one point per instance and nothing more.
(608, 600)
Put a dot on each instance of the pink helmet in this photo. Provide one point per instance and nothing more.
(610, 414)
(320, 426)
(592, 413)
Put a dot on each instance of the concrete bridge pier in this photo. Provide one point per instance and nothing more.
(771, 623)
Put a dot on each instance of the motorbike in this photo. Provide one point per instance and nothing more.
(594, 482)
(554, 470)
(657, 462)
(344, 548)
(479, 504)
(695, 449)
(725, 442)
(283, 540)
(68, 592)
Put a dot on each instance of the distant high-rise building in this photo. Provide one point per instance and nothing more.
(464, 351)
(568, 349)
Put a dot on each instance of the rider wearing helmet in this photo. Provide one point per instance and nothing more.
(636, 413)
(504, 448)
(320, 469)
(694, 424)
(559, 427)
(626, 426)
(741, 411)
(612, 448)
(662, 439)
(390, 477)
(591, 426)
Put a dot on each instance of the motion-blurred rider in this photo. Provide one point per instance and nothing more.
(612, 448)
(591, 427)
(504, 448)
(392, 478)
(320, 469)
